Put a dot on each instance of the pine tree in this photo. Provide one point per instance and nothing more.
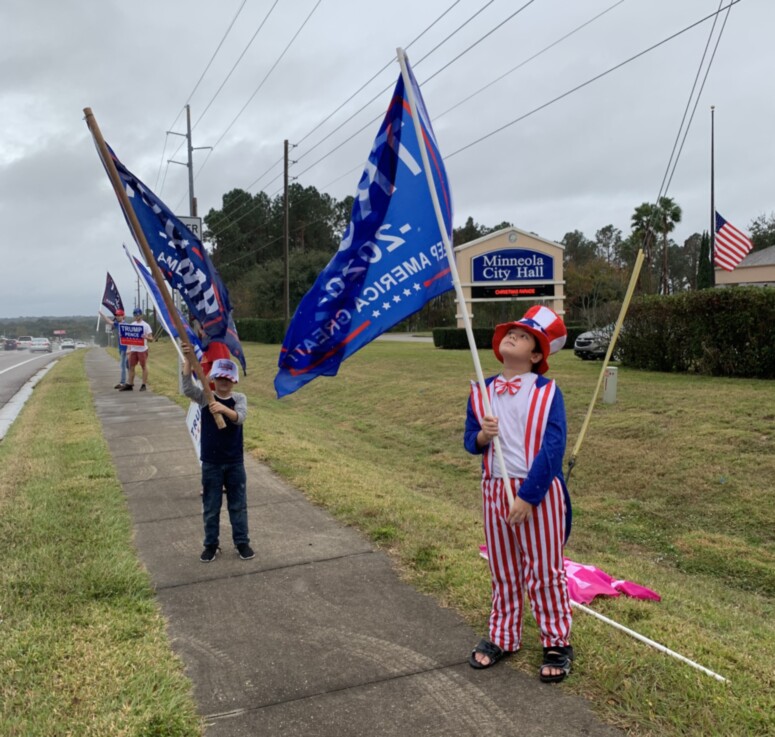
(704, 266)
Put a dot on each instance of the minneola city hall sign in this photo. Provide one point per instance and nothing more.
(511, 264)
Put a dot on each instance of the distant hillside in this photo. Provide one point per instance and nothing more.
(76, 326)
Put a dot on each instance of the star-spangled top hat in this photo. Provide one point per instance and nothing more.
(544, 324)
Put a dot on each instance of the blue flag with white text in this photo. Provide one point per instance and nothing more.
(182, 259)
(391, 260)
(161, 307)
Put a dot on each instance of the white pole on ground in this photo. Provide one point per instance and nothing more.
(647, 641)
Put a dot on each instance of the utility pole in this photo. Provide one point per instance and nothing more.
(286, 235)
(191, 198)
(190, 162)
(191, 206)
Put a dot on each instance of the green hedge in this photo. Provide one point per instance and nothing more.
(456, 339)
(718, 332)
(258, 330)
(573, 332)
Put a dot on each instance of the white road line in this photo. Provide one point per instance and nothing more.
(16, 365)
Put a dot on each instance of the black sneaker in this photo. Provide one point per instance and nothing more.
(209, 553)
(245, 551)
(118, 386)
(142, 388)
(126, 388)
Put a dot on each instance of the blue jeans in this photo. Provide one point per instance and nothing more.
(122, 361)
(216, 476)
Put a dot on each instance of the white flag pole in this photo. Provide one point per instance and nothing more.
(451, 259)
(656, 645)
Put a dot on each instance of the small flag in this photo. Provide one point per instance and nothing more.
(586, 582)
(181, 257)
(391, 260)
(161, 308)
(111, 298)
(732, 245)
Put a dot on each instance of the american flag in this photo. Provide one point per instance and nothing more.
(732, 245)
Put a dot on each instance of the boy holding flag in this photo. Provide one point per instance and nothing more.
(525, 540)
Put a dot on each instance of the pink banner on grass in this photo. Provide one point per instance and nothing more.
(586, 582)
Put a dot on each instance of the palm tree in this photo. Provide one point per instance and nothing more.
(644, 222)
(668, 213)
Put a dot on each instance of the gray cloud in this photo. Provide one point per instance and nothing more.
(583, 162)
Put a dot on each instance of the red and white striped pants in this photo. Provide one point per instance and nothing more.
(526, 558)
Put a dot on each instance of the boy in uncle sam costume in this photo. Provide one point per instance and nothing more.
(524, 542)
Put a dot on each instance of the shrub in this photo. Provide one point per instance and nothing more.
(718, 332)
(259, 330)
(456, 339)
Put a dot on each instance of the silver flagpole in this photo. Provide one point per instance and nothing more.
(452, 266)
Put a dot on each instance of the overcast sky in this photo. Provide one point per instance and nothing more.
(580, 163)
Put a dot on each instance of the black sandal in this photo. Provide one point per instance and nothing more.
(491, 650)
(559, 656)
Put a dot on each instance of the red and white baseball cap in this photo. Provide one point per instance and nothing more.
(224, 368)
(544, 324)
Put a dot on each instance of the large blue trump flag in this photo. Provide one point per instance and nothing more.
(391, 260)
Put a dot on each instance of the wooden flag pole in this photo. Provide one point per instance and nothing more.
(137, 231)
(452, 266)
(612, 343)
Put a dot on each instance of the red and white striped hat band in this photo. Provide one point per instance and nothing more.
(544, 324)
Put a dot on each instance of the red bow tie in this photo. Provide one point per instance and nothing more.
(501, 385)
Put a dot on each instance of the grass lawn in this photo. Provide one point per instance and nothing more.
(672, 489)
(83, 649)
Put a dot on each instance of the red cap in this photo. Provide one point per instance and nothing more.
(119, 313)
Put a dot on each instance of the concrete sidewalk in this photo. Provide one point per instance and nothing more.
(316, 635)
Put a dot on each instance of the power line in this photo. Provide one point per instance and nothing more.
(231, 71)
(588, 82)
(702, 87)
(236, 63)
(556, 99)
(212, 58)
(261, 84)
(382, 91)
(479, 40)
(367, 83)
(196, 86)
(379, 94)
(273, 67)
(526, 61)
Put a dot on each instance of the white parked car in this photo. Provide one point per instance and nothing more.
(41, 345)
(67, 345)
(24, 341)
